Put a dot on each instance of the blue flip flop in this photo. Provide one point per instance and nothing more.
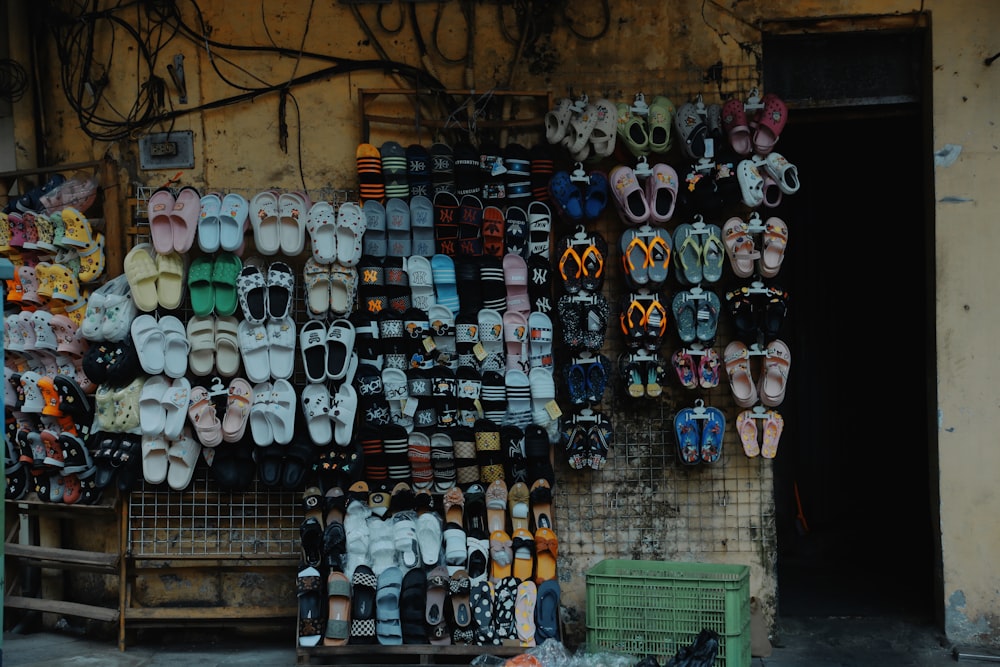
(576, 382)
(687, 429)
(597, 381)
(711, 435)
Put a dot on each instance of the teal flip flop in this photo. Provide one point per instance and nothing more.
(713, 255)
(689, 252)
(685, 316)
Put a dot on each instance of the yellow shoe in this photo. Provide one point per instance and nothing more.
(92, 260)
(78, 233)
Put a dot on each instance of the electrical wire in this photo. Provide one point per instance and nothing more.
(381, 23)
(84, 80)
(606, 21)
(13, 80)
(435, 35)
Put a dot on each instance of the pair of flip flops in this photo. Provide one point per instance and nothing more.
(588, 436)
(644, 374)
(587, 378)
(699, 433)
(696, 315)
(760, 440)
(643, 319)
(697, 368)
(646, 254)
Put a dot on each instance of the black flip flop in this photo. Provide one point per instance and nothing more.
(547, 611)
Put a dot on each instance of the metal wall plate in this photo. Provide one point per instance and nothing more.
(167, 150)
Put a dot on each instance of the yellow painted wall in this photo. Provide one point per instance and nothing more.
(650, 46)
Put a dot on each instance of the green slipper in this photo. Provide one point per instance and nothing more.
(200, 286)
(225, 271)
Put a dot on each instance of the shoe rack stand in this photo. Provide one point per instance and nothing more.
(35, 562)
(518, 110)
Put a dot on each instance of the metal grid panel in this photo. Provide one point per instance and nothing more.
(645, 504)
(200, 521)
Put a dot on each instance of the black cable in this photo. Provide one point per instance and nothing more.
(605, 10)
(13, 80)
(75, 47)
(436, 42)
(381, 22)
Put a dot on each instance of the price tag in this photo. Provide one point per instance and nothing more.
(553, 409)
(480, 352)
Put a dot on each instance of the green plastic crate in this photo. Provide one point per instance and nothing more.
(655, 608)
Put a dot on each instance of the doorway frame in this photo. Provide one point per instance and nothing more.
(824, 109)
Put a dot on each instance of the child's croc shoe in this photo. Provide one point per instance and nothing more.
(78, 233)
(736, 127)
(92, 260)
(46, 233)
(30, 231)
(16, 224)
(770, 124)
(4, 233)
(660, 121)
(692, 130)
(632, 131)
(629, 196)
(58, 231)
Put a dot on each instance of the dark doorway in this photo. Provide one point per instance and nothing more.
(857, 443)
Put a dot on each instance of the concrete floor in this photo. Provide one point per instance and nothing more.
(803, 642)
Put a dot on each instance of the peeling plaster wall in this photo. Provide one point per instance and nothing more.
(654, 47)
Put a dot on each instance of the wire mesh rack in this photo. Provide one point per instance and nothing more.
(201, 521)
(643, 505)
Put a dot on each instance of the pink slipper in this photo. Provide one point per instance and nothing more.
(159, 208)
(772, 432)
(746, 426)
(184, 218)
